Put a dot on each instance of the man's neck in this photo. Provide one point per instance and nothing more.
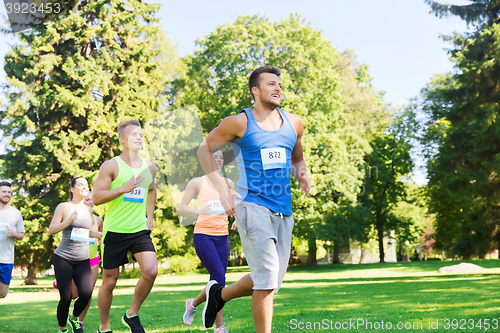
(263, 112)
(130, 156)
(4, 206)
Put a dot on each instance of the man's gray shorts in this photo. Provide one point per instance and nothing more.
(266, 238)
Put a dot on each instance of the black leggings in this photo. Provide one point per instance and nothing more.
(66, 271)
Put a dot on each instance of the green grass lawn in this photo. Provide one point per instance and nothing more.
(359, 297)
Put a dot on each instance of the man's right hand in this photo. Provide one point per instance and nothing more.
(8, 232)
(132, 184)
(227, 200)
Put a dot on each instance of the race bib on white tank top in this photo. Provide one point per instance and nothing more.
(273, 158)
(80, 235)
(3, 226)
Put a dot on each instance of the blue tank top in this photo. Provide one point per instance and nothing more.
(265, 163)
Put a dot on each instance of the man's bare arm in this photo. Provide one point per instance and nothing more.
(299, 169)
(151, 201)
(229, 129)
(102, 194)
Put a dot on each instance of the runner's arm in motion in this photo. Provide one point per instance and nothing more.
(151, 201)
(229, 129)
(230, 183)
(298, 164)
(60, 223)
(99, 223)
(93, 233)
(192, 189)
(15, 235)
(102, 193)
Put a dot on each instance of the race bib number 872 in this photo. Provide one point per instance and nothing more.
(273, 158)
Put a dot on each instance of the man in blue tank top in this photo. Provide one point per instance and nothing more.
(267, 144)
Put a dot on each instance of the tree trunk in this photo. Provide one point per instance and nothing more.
(380, 231)
(311, 257)
(31, 277)
(336, 253)
(400, 251)
(294, 257)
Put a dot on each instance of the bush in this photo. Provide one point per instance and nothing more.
(185, 263)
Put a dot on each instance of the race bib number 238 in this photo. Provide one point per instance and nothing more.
(136, 195)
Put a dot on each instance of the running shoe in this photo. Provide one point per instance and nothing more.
(99, 330)
(213, 304)
(221, 329)
(190, 311)
(75, 325)
(63, 331)
(133, 323)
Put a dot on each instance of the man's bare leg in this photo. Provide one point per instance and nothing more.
(105, 296)
(262, 310)
(262, 302)
(4, 289)
(242, 287)
(149, 270)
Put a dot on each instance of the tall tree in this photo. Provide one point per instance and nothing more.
(386, 165)
(462, 136)
(70, 81)
(327, 89)
(477, 13)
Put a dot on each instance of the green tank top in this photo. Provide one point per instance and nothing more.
(127, 213)
(93, 242)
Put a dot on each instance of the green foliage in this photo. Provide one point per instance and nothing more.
(477, 13)
(185, 263)
(327, 89)
(384, 187)
(412, 216)
(462, 140)
(70, 82)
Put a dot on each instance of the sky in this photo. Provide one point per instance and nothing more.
(399, 40)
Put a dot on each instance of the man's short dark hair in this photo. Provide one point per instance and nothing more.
(254, 79)
(5, 183)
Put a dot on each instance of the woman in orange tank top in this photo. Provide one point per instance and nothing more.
(211, 236)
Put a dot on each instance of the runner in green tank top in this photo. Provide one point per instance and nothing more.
(126, 183)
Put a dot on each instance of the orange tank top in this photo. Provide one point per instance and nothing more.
(214, 224)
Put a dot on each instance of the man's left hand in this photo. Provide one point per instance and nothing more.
(150, 223)
(304, 182)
